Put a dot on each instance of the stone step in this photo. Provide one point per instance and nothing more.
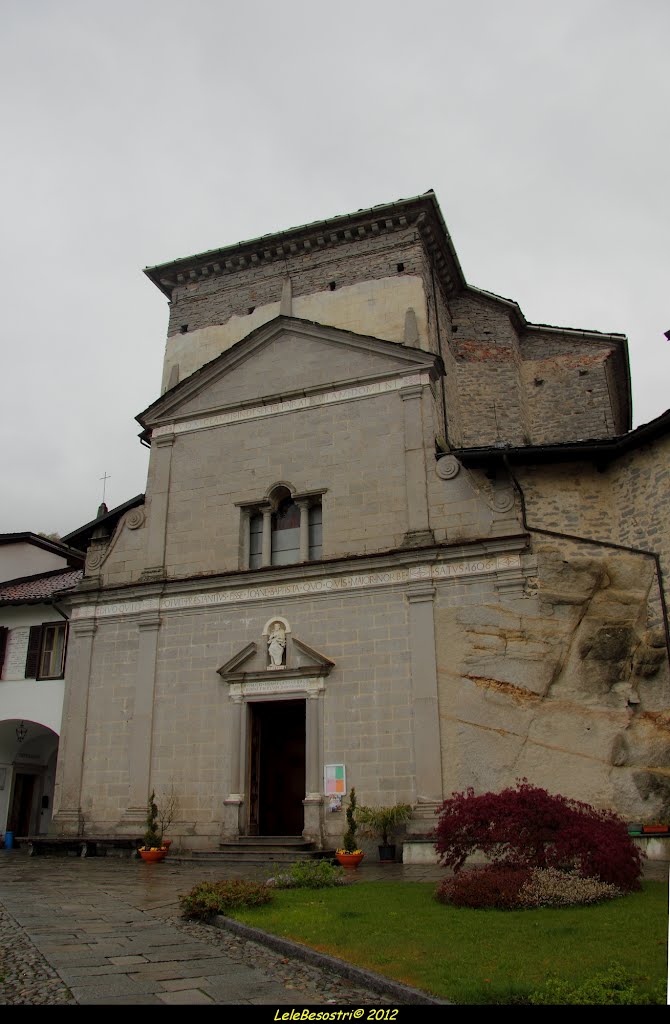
(266, 850)
(261, 855)
(426, 810)
(423, 820)
(267, 841)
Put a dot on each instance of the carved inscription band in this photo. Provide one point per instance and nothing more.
(329, 585)
(308, 402)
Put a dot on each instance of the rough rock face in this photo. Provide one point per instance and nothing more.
(568, 687)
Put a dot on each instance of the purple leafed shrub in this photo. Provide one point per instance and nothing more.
(529, 827)
(503, 887)
(495, 885)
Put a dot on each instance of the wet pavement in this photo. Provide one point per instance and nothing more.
(108, 930)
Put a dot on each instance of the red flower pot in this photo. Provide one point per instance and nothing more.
(349, 860)
(151, 856)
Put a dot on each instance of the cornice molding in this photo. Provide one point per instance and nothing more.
(423, 212)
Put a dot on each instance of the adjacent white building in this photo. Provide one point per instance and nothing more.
(33, 650)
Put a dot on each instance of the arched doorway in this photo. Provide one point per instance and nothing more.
(28, 755)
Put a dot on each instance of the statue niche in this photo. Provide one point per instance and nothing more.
(276, 643)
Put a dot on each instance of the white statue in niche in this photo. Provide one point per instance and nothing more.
(276, 645)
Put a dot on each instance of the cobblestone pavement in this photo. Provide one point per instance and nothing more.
(107, 930)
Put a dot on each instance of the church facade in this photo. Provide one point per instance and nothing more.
(394, 537)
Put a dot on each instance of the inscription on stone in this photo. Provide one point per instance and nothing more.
(274, 686)
(358, 581)
(292, 404)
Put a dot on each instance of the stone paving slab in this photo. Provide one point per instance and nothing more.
(113, 985)
(99, 932)
(120, 1001)
(190, 997)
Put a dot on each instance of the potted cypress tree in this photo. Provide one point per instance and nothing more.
(153, 849)
(349, 856)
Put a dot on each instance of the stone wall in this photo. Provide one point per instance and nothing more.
(567, 687)
(111, 695)
(378, 307)
(567, 388)
(366, 705)
(504, 382)
(641, 490)
(602, 607)
(215, 300)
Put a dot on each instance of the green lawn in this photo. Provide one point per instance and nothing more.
(473, 956)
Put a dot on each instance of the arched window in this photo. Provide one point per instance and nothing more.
(284, 529)
(286, 533)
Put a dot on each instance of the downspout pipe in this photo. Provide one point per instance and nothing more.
(599, 543)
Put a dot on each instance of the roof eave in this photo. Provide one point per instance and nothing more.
(594, 449)
(227, 259)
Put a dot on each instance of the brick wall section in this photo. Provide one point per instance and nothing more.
(485, 349)
(491, 386)
(439, 323)
(620, 505)
(641, 492)
(570, 498)
(567, 388)
(544, 386)
(215, 300)
(621, 424)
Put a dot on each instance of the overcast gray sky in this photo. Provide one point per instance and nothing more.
(144, 130)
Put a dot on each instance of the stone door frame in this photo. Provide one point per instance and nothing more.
(291, 686)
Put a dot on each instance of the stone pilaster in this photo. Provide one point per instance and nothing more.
(266, 557)
(232, 805)
(160, 493)
(73, 731)
(304, 529)
(418, 528)
(286, 303)
(313, 770)
(245, 538)
(427, 750)
(141, 729)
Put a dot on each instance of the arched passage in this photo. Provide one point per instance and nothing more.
(28, 755)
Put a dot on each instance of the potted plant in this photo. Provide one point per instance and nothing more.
(349, 856)
(382, 822)
(153, 849)
(655, 829)
(168, 809)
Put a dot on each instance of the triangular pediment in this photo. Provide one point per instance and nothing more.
(251, 663)
(284, 358)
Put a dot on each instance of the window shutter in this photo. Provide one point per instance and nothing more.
(33, 653)
(4, 633)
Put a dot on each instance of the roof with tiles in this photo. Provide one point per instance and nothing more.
(40, 589)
